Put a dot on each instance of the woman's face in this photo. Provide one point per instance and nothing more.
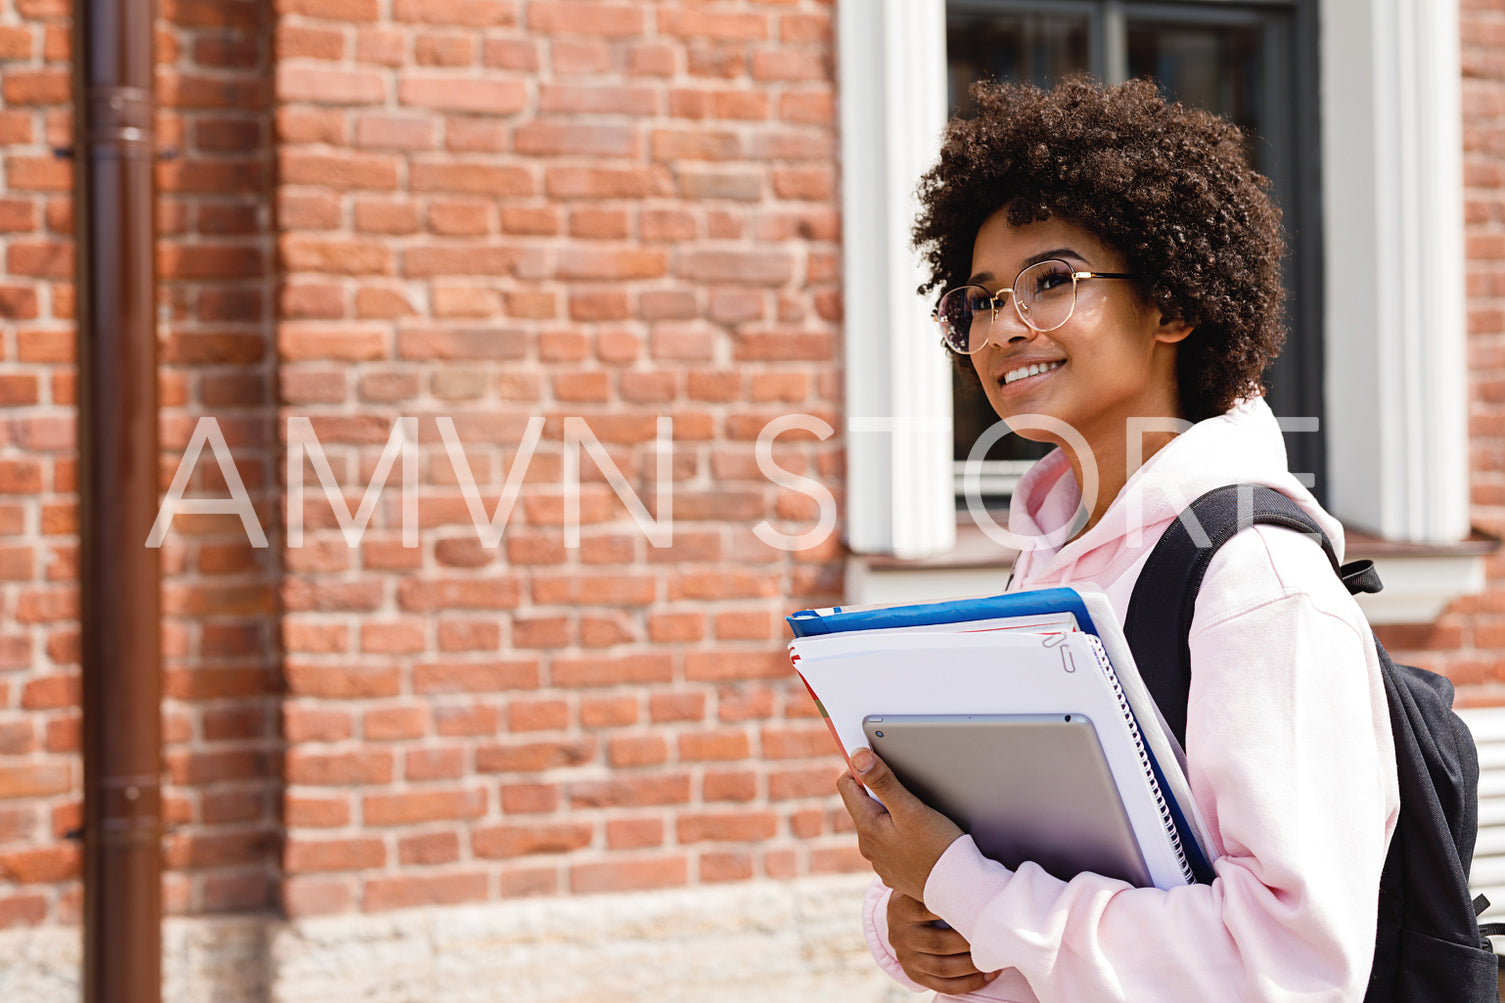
(1112, 361)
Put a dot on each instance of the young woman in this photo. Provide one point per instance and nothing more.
(1110, 272)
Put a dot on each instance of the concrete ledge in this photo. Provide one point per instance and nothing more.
(755, 942)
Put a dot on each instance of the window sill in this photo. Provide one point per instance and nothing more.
(1420, 579)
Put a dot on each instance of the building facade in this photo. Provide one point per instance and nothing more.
(528, 331)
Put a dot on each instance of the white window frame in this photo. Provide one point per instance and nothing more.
(892, 59)
(1392, 203)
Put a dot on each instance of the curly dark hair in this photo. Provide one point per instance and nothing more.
(1169, 186)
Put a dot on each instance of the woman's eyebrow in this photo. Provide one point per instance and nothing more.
(1034, 259)
(1059, 252)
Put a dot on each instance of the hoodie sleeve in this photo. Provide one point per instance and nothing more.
(1291, 762)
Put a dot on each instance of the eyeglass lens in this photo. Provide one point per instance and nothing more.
(1044, 295)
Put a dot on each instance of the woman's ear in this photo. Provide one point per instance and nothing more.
(1170, 332)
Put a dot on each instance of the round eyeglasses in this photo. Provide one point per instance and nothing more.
(1044, 297)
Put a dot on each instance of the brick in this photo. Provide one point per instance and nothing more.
(385, 724)
(34, 780)
(608, 711)
(542, 138)
(429, 849)
(466, 720)
(303, 811)
(790, 64)
(701, 24)
(38, 174)
(676, 627)
(432, 595)
(533, 757)
(814, 782)
(443, 50)
(301, 636)
(300, 855)
(35, 87)
(509, 841)
(571, 17)
(434, 764)
(18, 303)
(626, 751)
(408, 892)
(456, 13)
(412, 807)
(543, 221)
(40, 865)
(463, 94)
(629, 875)
(739, 786)
(342, 682)
(407, 637)
(769, 268)
(523, 799)
(593, 589)
(315, 896)
(511, 54)
(713, 867)
(695, 144)
(601, 183)
(631, 791)
(461, 217)
(670, 707)
(357, 11)
(341, 171)
(51, 692)
(18, 910)
(537, 715)
(321, 85)
(425, 262)
(481, 677)
(338, 769)
(594, 672)
(725, 744)
(335, 256)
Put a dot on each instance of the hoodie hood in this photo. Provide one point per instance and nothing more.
(1243, 446)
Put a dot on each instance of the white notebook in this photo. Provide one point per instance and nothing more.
(858, 673)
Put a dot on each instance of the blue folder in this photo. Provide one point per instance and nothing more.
(1030, 602)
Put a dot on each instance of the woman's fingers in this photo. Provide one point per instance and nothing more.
(932, 954)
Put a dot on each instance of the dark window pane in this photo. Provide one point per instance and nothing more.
(1217, 67)
(982, 44)
(1033, 47)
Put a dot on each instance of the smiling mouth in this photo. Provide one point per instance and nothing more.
(1014, 375)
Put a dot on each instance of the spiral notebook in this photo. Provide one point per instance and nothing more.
(1024, 653)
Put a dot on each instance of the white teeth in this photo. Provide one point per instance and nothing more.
(1023, 371)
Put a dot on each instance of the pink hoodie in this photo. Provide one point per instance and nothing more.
(1289, 751)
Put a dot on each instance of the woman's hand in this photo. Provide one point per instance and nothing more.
(902, 837)
(935, 956)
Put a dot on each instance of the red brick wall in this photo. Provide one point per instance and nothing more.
(493, 211)
(39, 770)
(218, 358)
(490, 211)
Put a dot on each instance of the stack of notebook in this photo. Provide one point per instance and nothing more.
(1022, 717)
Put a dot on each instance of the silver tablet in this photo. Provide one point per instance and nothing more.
(1024, 786)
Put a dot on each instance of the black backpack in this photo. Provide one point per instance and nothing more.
(1429, 944)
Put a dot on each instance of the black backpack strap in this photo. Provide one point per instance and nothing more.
(1158, 624)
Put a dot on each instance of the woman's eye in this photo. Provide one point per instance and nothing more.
(1050, 279)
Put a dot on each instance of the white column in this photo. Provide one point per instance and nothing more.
(1396, 316)
(892, 79)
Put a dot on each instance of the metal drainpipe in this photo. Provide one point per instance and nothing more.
(114, 203)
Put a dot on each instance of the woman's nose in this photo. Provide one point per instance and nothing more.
(1010, 325)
